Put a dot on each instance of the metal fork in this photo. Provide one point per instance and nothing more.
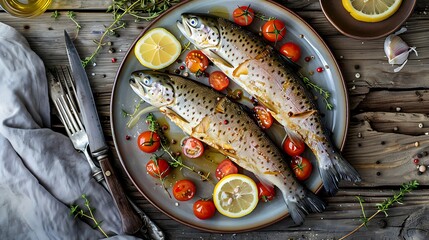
(76, 132)
(69, 116)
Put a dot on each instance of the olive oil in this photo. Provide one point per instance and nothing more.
(25, 8)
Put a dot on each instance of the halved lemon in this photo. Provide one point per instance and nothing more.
(157, 49)
(235, 195)
(371, 10)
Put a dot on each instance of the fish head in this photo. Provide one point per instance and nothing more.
(154, 88)
(201, 30)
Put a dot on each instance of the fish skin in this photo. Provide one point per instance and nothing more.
(259, 70)
(211, 117)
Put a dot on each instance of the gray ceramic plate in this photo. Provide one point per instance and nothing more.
(134, 161)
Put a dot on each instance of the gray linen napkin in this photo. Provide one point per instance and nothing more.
(41, 174)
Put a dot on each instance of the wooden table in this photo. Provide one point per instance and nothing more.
(384, 134)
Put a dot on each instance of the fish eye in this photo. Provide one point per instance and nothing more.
(194, 22)
(147, 81)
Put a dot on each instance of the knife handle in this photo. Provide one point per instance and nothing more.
(131, 223)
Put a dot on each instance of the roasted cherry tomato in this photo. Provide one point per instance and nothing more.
(291, 149)
(204, 209)
(158, 168)
(218, 80)
(302, 168)
(265, 193)
(196, 61)
(243, 15)
(264, 117)
(184, 190)
(274, 30)
(224, 168)
(148, 141)
(291, 50)
(192, 147)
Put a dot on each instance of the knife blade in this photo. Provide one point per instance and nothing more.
(131, 223)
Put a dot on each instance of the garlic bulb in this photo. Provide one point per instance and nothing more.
(397, 51)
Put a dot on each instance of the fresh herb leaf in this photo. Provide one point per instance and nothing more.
(55, 15)
(385, 205)
(77, 211)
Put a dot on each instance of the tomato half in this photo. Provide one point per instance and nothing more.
(265, 120)
(204, 209)
(148, 141)
(184, 190)
(274, 30)
(196, 61)
(243, 15)
(218, 80)
(302, 168)
(192, 147)
(291, 50)
(293, 149)
(224, 168)
(158, 168)
(265, 193)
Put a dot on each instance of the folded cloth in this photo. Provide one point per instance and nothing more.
(41, 174)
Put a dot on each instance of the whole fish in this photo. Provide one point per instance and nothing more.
(211, 117)
(260, 70)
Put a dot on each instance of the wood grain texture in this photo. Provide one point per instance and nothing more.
(386, 110)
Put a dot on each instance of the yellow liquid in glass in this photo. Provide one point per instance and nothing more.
(25, 8)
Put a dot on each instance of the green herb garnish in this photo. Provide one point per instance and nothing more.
(324, 93)
(55, 15)
(384, 206)
(77, 211)
(72, 17)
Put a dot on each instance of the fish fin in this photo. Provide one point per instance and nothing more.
(304, 115)
(334, 169)
(267, 105)
(215, 58)
(263, 181)
(300, 205)
(177, 119)
(294, 137)
(242, 69)
(203, 126)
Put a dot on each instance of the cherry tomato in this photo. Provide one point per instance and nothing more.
(274, 30)
(204, 209)
(264, 117)
(243, 15)
(302, 168)
(192, 147)
(218, 80)
(291, 50)
(158, 168)
(291, 149)
(184, 190)
(266, 193)
(196, 61)
(224, 168)
(148, 141)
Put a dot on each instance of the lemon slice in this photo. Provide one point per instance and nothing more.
(157, 49)
(371, 10)
(235, 195)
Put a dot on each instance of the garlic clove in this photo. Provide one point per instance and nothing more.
(396, 49)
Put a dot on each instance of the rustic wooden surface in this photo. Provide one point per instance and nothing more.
(386, 110)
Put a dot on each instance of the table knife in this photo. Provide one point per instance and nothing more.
(131, 223)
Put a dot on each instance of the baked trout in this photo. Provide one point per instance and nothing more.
(261, 71)
(211, 117)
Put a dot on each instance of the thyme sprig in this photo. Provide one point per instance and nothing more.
(72, 17)
(385, 205)
(176, 161)
(324, 93)
(139, 9)
(55, 15)
(77, 211)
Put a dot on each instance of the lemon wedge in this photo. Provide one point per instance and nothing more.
(371, 10)
(157, 49)
(235, 195)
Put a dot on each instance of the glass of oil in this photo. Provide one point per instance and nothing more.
(25, 8)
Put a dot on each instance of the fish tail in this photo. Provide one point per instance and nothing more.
(301, 205)
(333, 168)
